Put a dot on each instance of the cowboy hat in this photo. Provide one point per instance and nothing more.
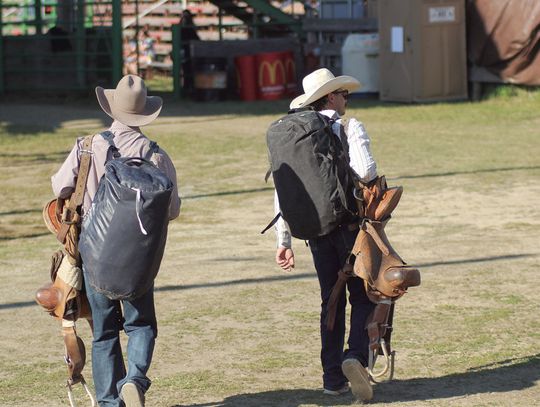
(320, 83)
(129, 103)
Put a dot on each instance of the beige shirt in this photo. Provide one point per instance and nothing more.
(130, 143)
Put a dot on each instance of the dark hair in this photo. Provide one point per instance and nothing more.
(319, 104)
(187, 16)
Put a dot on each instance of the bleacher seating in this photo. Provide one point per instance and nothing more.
(160, 19)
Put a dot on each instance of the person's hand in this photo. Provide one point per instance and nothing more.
(285, 258)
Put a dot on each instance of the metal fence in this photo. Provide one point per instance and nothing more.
(59, 45)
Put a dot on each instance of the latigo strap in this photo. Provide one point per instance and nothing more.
(70, 214)
(62, 298)
(386, 276)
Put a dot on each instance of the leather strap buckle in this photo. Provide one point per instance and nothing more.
(70, 217)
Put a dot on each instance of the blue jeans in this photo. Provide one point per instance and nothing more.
(329, 255)
(139, 323)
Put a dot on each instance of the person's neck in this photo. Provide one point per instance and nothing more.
(120, 125)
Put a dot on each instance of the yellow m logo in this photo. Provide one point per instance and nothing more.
(272, 69)
(290, 68)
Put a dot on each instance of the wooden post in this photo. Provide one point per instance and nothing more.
(1, 52)
(38, 20)
(117, 55)
(372, 6)
(80, 46)
(177, 61)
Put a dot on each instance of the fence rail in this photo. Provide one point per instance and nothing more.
(55, 45)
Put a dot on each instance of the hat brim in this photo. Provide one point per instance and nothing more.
(344, 82)
(151, 110)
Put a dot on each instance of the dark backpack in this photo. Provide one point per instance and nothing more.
(124, 233)
(311, 174)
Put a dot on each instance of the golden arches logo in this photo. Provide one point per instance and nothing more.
(290, 68)
(272, 68)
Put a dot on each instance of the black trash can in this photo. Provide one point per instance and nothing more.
(210, 79)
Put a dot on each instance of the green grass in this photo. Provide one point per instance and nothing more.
(234, 330)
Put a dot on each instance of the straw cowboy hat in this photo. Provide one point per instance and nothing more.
(129, 103)
(320, 83)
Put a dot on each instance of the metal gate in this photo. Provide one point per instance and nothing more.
(60, 45)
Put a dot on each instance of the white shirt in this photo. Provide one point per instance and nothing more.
(361, 161)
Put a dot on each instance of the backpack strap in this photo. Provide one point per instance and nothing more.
(343, 137)
(154, 149)
(71, 215)
(272, 223)
(109, 138)
(301, 109)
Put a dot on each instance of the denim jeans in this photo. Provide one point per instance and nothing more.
(139, 323)
(329, 255)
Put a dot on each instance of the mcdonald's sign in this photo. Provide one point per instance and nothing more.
(272, 76)
(290, 69)
(273, 69)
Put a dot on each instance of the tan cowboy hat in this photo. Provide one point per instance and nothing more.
(129, 103)
(320, 83)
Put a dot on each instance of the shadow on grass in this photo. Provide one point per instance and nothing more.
(499, 377)
(27, 236)
(281, 277)
(224, 193)
(453, 173)
(31, 115)
(477, 260)
(243, 281)
(15, 159)
(20, 212)
(186, 197)
(280, 398)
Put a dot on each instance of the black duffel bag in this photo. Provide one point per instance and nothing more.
(124, 233)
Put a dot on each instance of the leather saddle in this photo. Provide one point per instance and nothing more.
(385, 273)
(386, 276)
(62, 299)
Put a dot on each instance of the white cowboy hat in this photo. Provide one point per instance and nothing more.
(129, 103)
(320, 83)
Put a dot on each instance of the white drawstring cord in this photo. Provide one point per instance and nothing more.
(139, 200)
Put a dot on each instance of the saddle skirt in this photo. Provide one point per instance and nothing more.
(385, 273)
(378, 264)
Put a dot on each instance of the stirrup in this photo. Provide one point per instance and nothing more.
(389, 360)
(85, 386)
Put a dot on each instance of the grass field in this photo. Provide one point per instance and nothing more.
(234, 330)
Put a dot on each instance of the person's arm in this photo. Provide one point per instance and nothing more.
(63, 182)
(284, 252)
(164, 163)
(283, 232)
(361, 159)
